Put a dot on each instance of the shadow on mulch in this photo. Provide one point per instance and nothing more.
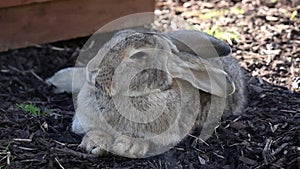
(265, 136)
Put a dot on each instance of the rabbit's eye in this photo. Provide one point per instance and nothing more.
(139, 55)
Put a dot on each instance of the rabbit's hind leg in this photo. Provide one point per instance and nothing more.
(96, 142)
(130, 147)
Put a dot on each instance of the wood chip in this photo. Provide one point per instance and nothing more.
(248, 161)
(272, 18)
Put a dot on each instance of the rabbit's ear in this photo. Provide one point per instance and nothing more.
(202, 75)
(199, 43)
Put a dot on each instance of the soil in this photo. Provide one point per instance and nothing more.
(266, 135)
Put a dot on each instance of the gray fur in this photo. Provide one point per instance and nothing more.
(98, 113)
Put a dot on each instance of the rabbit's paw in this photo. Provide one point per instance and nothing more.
(130, 147)
(95, 142)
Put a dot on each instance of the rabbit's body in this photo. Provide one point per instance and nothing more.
(170, 93)
(170, 125)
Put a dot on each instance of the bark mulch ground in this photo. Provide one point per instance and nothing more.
(265, 38)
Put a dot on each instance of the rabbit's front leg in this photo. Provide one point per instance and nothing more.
(130, 147)
(96, 142)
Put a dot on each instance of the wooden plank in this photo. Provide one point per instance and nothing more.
(37, 23)
(11, 3)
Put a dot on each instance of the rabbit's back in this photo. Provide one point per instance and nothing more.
(237, 101)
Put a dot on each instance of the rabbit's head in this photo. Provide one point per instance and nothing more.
(136, 63)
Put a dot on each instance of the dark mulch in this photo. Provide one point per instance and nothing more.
(267, 135)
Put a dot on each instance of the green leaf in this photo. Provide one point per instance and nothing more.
(33, 110)
(293, 15)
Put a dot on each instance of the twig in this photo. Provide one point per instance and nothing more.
(58, 48)
(29, 160)
(37, 76)
(22, 139)
(288, 111)
(198, 149)
(179, 148)
(75, 153)
(279, 148)
(8, 158)
(268, 157)
(3, 157)
(15, 69)
(25, 139)
(198, 138)
(4, 70)
(26, 148)
(59, 163)
(4, 111)
(63, 144)
(238, 118)
(218, 155)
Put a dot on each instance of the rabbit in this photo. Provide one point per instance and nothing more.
(145, 91)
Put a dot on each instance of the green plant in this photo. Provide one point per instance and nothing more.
(7, 147)
(218, 33)
(221, 12)
(33, 110)
(293, 15)
(213, 13)
(237, 10)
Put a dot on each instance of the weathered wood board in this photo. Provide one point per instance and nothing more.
(28, 22)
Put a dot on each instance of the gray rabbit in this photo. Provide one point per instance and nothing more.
(145, 91)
